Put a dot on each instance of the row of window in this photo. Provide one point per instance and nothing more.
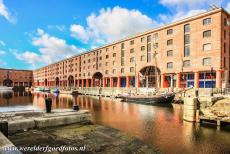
(186, 63)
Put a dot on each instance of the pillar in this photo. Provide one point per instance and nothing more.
(218, 79)
(82, 83)
(178, 80)
(196, 79)
(118, 82)
(127, 82)
(91, 82)
(111, 82)
(171, 81)
(162, 80)
(87, 83)
(103, 82)
(138, 81)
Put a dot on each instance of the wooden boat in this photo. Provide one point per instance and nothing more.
(71, 92)
(4, 88)
(157, 99)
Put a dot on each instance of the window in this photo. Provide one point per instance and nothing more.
(114, 71)
(207, 47)
(114, 47)
(132, 59)
(186, 51)
(131, 50)
(169, 31)
(186, 28)
(132, 42)
(106, 64)
(187, 39)
(224, 47)
(155, 45)
(225, 34)
(107, 56)
(131, 69)
(142, 48)
(122, 70)
(142, 39)
(169, 53)
(114, 62)
(207, 33)
(149, 38)
(155, 37)
(142, 58)
(170, 42)
(106, 71)
(186, 63)
(207, 21)
(169, 65)
(100, 65)
(207, 61)
(107, 49)
(225, 22)
(122, 45)
(114, 54)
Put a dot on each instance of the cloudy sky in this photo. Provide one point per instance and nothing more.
(34, 33)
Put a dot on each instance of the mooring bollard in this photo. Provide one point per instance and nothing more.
(76, 107)
(48, 105)
(4, 127)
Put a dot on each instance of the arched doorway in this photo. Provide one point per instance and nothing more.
(71, 81)
(8, 83)
(97, 79)
(57, 82)
(149, 77)
(46, 82)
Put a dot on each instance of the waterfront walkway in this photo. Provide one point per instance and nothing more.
(88, 138)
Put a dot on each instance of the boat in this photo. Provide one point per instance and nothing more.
(4, 88)
(55, 90)
(162, 99)
(71, 92)
(38, 89)
(46, 89)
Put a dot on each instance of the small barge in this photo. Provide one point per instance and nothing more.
(155, 100)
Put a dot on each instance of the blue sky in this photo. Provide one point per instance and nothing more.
(36, 33)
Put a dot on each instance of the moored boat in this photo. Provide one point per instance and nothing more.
(4, 88)
(71, 92)
(55, 90)
(162, 99)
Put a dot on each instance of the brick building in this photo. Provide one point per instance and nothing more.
(14, 78)
(190, 52)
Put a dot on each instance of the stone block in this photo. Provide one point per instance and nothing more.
(21, 125)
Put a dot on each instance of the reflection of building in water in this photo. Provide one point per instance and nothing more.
(15, 98)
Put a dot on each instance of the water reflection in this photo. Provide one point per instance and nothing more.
(159, 126)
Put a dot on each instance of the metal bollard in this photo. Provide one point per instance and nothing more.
(76, 107)
(48, 105)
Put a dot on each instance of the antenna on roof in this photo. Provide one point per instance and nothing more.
(213, 7)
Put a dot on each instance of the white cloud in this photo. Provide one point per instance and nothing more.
(2, 63)
(112, 24)
(2, 43)
(5, 13)
(180, 9)
(228, 7)
(190, 4)
(51, 49)
(2, 52)
(61, 28)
